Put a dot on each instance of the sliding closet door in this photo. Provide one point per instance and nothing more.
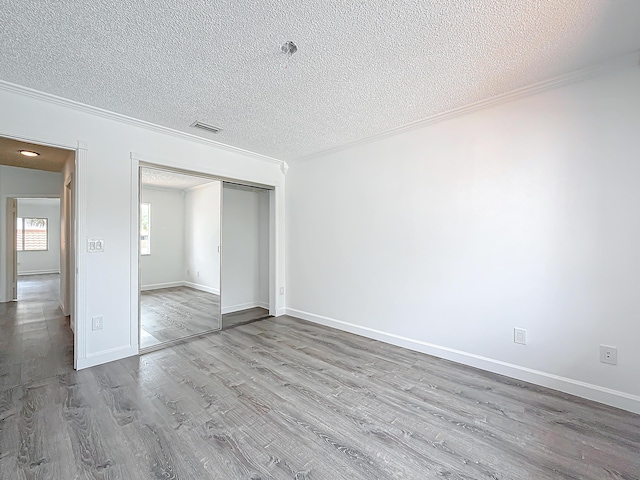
(179, 256)
(245, 254)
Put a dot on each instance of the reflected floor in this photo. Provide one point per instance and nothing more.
(169, 314)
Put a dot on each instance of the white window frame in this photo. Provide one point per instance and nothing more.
(21, 247)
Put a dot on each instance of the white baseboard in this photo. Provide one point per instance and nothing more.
(615, 398)
(243, 306)
(281, 311)
(158, 286)
(38, 272)
(106, 356)
(202, 288)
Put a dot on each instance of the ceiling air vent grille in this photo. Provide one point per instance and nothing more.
(205, 126)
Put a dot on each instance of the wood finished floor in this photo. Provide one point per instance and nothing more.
(230, 320)
(169, 314)
(286, 399)
(35, 339)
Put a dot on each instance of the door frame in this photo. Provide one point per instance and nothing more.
(79, 199)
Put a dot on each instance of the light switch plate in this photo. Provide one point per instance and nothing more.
(95, 245)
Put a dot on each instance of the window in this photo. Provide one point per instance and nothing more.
(145, 229)
(32, 234)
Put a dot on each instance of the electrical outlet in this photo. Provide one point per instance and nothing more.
(96, 323)
(520, 336)
(608, 354)
(281, 290)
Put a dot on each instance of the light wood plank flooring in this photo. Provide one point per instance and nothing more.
(230, 320)
(35, 339)
(170, 314)
(286, 399)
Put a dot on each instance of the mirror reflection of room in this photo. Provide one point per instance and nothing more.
(179, 256)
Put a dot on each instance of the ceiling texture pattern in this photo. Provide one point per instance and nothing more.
(152, 177)
(362, 68)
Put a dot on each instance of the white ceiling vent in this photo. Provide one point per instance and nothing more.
(205, 126)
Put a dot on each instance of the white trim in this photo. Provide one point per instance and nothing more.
(273, 253)
(630, 60)
(202, 288)
(280, 312)
(615, 398)
(38, 272)
(158, 286)
(243, 306)
(82, 107)
(195, 286)
(81, 196)
(134, 247)
(105, 356)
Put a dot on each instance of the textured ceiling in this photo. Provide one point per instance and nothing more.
(362, 68)
(50, 158)
(152, 177)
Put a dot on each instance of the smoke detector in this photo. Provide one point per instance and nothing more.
(289, 48)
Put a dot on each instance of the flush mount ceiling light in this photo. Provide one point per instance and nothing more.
(29, 153)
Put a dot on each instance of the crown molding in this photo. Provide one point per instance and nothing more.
(626, 61)
(83, 107)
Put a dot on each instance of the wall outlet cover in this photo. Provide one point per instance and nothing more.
(609, 354)
(520, 336)
(97, 323)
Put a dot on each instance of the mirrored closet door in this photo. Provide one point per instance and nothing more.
(179, 256)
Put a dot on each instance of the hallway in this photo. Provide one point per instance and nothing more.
(35, 339)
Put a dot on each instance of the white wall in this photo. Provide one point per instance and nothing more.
(48, 261)
(445, 238)
(165, 266)
(108, 281)
(202, 237)
(243, 239)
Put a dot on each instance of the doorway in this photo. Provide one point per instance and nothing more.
(36, 233)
